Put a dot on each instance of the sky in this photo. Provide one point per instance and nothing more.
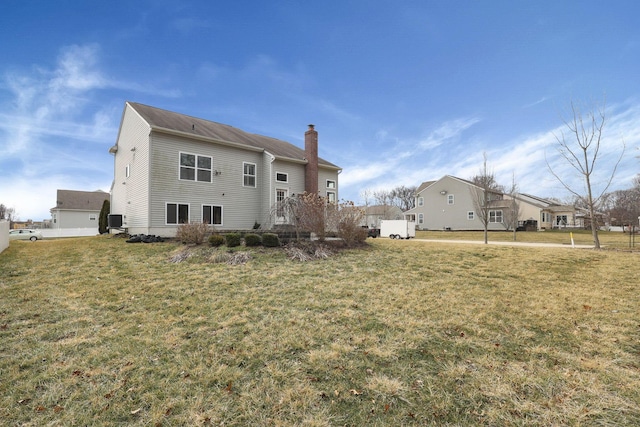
(400, 92)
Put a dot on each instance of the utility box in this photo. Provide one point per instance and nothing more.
(397, 228)
(114, 221)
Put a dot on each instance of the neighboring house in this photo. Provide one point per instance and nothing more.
(77, 209)
(448, 204)
(547, 214)
(170, 168)
(375, 214)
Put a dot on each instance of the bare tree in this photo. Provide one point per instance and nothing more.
(404, 197)
(481, 194)
(512, 211)
(580, 147)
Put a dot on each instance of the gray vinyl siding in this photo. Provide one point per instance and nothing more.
(76, 219)
(241, 205)
(439, 214)
(324, 175)
(130, 196)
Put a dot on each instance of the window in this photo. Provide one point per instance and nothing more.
(195, 168)
(471, 215)
(420, 218)
(249, 174)
(331, 183)
(420, 201)
(331, 196)
(282, 177)
(546, 217)
(495, 217)
(561, 220)
(450, 199)
(177, 213)
(212, 214)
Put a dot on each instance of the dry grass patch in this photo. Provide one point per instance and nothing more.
(97, 332)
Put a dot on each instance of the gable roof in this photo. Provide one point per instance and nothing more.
(424, 185)
(80, 200)
(163, 120)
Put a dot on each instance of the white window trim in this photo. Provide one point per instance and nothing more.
(420, 201)
(221, 214)
(331, 183)
(451, 199)
(335, 197)
(195, 167)
(420, 218)
(286, 175)
(255, 175)
(495, 216)
(188, 205)
(471, 215)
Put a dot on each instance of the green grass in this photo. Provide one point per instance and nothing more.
(94, 331)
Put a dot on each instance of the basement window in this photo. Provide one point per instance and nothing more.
(177, 213)
(212, 214)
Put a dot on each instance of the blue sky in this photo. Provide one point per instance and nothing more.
(400, 92)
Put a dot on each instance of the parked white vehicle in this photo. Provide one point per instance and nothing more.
(397, 228)
(25, 234)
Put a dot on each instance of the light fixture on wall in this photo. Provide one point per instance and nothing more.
(443, 192)
(217, 172)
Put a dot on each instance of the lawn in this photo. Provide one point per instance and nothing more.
(94, 331)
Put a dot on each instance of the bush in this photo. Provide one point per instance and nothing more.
(252, 240)
(232, 239)
(216, 240)
(270, 240)
(192, 233)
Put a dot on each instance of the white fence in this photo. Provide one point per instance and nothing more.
(4, 235)
(50, 233)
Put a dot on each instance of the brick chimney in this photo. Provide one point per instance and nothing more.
(311, 153)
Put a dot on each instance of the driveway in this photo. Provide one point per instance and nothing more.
(538, 245)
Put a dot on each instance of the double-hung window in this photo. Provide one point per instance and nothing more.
(450, 199)
(248, 174)
(195, 168)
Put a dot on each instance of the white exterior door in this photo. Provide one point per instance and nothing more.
(281, 213)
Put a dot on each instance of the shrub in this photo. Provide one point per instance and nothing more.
(270, 240)
(103, 225)
(349, 218)
(251, 239)
(192, 233)
(216, 240)
(232, 239)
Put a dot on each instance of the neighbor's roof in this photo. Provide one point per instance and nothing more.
(80, 200)
(160, 120)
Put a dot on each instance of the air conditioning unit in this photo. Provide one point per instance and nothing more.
(114, 221)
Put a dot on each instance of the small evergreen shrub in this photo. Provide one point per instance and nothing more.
(216, 240)
(232, 239)
(270, 240)
(251, 239)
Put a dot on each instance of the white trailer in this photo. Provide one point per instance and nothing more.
(397, 228)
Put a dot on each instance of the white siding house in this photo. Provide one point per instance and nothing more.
(77, 209)
(450, 204)
(170, 168)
